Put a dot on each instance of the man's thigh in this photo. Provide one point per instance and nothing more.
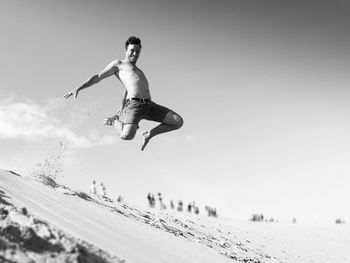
(156, 112)
(131, 114)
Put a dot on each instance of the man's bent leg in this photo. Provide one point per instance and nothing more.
(118, 125)
(172, 121)
(128, 131)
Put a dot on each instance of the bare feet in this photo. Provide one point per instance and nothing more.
(110, 121)
(146, 137)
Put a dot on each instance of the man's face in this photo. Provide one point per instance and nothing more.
(132, 53)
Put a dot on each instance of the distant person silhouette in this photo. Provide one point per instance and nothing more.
(161, 204)
(214, 214)
(153, 200)
(180, 206)
(149, 199)
(102, 190)
(189, 208)
(196, 210)
(93, 187)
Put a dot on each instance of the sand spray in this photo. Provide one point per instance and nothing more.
(51, 164)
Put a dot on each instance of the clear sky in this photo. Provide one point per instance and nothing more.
(263, 87)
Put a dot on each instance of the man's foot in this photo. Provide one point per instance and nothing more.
(146, 137)
(110, 121)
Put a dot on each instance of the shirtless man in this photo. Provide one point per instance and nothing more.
(137, 103)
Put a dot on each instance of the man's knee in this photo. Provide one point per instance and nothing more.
(179, 122)
(127, 136)
(173, 119)
(128, 132)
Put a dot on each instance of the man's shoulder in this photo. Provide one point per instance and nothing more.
(114, 66)
(116, 63)
(120, 64)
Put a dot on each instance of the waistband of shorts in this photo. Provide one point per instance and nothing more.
(142, 100)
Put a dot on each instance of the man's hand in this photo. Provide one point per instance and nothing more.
(71, 93)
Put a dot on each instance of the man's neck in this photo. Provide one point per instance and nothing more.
(125, 60)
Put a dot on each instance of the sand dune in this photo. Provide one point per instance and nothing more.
(65, 225)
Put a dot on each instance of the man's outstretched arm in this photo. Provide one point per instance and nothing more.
(110, 70)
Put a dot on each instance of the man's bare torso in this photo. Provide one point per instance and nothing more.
(133, 79)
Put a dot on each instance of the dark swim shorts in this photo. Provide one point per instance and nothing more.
(136, 110)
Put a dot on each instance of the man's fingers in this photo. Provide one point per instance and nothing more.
(67, 95)
(71, 93)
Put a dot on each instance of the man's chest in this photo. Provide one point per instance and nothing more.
(126, 71)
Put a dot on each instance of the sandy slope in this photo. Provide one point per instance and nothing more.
(154, 236)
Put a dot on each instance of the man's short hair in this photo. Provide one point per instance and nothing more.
(133, 41)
